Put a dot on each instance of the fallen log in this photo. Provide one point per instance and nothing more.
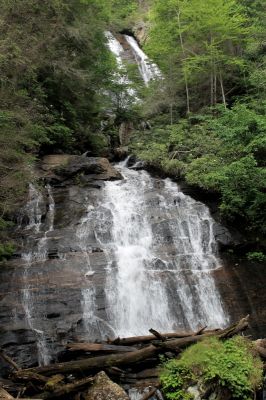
(221, 334)
(146, 339)
(158, 335)
(129, 358)
(9, 360)
(96, 363)
(53, 382)
(63, 390)
(148, 395)
(26, 376)
(4, 395)
(95, 347)
(200, 331)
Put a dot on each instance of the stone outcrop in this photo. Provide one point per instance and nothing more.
(65, 168)
(104, 389)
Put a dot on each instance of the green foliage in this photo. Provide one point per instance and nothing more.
(99, 144)
(257, 256)
(54, 66)
(231, 364)
(192, 41)
(221, 150)
(7, 248)
(123, 13)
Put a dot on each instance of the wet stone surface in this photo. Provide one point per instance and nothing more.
(96, 262)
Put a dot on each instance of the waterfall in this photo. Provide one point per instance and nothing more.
(162, 247)
(164, 252)
(147, 69)
(121, 76)
(35, 250)
(88, 293)
(96, 328)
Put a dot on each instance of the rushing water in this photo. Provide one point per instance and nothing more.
(126, 95)
(147, 69)
(36, 251)
(144, 253)
(164, 252)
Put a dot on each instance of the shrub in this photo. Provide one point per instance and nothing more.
(257, 256)
(231, 364)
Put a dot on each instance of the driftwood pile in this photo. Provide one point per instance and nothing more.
(126, 361)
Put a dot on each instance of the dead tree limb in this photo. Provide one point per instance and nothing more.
(96, 363)
(200, 331)
(28, 376)
(147, 339)
(222, 334)
(67, 389)
(95, 347)
(158, 335)
(4, 395)
(148, 395)
(9, 360)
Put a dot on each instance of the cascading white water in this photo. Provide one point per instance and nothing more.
(37, 253)
(121, 77)
(164, 251)
(95, 326)
(88, 294)
(147, 69)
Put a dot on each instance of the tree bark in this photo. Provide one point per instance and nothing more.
(6, 358)
(66, 389)
(147, 339)
(4, 395)
(222, 89)
(222, 334)
(148, 395)
(184, 54)
(96, 363)
(95, 347)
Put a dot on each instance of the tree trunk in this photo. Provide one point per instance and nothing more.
(4, 395)
(95, 347)
(222, 334)
(96, 363)
(222, 89)
(146, 339)
(66, 389)
(184, 55)
(118, 360)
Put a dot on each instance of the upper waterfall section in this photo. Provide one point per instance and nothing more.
(131, 50)
(147, 69)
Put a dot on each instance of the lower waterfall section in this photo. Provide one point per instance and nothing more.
(107, 259)
(163, 252)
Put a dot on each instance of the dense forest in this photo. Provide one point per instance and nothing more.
(93, 255)
(206, 112)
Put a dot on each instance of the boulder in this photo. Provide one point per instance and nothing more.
(65, 166)
(121, 153)
(104, 389)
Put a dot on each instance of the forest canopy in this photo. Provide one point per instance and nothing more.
(207, 114)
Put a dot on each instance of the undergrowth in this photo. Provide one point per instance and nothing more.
(231, 364)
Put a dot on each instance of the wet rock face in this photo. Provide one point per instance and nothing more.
(242, 288)
(104, 389)
(64, 167)
(54, 290)
(48, 286)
